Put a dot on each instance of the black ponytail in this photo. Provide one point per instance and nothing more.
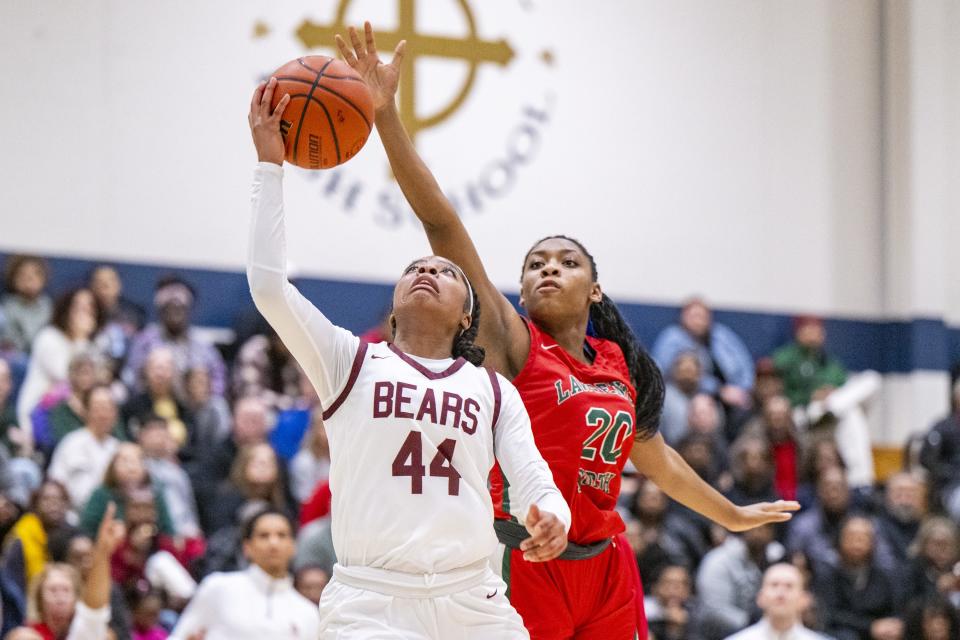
(608, 323)
(463, 345)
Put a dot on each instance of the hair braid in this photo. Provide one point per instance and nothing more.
(608, 323)
(463, 343)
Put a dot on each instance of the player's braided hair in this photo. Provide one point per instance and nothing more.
(463, 345)
(608, 323)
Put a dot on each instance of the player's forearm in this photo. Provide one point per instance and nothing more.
(267, 257)
(532, 484)
(445, 231)
(417, 182)
(660, 463)
(96, 592)
(322, 349)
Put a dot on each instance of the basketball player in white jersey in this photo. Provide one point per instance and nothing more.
(413, 429)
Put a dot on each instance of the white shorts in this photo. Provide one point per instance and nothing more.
(375, 604)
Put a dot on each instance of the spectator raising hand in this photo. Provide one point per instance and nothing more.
(111, 534)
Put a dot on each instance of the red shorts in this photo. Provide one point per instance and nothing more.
(600, 598)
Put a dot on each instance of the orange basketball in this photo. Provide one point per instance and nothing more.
(330, 113)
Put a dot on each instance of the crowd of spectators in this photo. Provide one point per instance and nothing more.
(214, 458)
(863, 560)
(204, 460)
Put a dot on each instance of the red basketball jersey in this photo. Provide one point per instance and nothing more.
(583, 423)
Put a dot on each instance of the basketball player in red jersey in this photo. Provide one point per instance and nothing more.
(593, 401)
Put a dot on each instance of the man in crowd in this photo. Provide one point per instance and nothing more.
(904, 506)
(729, 580)
(725, 362)
(815, 531)
(680, 387)
(858, 596)
(251, 424)
(940, 455)
(782, 599)
(159, 451)
(173, 301)
(669, 605)
(82, 457)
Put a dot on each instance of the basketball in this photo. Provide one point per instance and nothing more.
(330, 113)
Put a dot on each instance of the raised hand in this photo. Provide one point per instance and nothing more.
(547, 540)
(755, 515)
(265, 125)
(111, 532)
(382, 79)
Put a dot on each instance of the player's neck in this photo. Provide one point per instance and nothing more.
(423, 345)
(570, 338)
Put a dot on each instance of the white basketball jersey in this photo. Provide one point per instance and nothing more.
(411, 450)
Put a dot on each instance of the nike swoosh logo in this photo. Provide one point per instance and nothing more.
(547, 347)
(379, 357)
(491, 595)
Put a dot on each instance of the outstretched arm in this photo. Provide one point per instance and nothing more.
(502, 332)
(93, 610)
(323, 350)
(662, 464)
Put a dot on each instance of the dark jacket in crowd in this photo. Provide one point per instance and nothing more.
(852, 600)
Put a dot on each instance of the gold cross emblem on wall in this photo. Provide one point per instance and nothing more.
(471, 49)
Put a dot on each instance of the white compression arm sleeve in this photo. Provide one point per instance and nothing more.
(324, 350)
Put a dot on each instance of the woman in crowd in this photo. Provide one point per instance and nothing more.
(127, 472)
(935, 560)
(932, 619)
(210, 413)
(76, 320)
(255, 476)
(123, 318)
(54, 600)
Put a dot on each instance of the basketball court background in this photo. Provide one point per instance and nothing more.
(775, 157)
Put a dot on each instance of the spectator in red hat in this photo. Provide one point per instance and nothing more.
(768, 382)
(809, 373)
(818, 385)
